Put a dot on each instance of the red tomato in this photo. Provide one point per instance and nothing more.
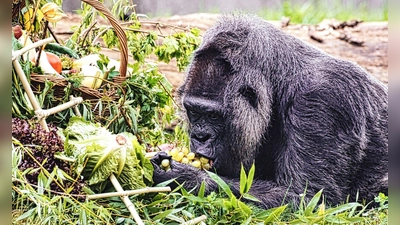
(54, 61)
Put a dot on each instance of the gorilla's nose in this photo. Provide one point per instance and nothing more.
(201, 137)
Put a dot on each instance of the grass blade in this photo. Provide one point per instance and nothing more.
(342, 208)
(202, 190)
(275, 214)
(250, 177)
(243, 180)
(221, 183)
(312, 204)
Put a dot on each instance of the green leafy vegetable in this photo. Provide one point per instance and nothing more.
(99, 154)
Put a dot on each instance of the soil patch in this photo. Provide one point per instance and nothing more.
(365, 43)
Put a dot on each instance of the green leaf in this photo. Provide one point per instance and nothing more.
(342, 208)
(243, 180)
(250, 178)
(195, 199)
(107, 152)
(356, 219)
(234, 201)
(341, 220)
(246, 209)
(122, 159)
(247, 221)
(312, 204)
(26, 214)
(250, 197)
(167, 213)
(195, 31)
(202, 190)
(221, 183)
(275, 214)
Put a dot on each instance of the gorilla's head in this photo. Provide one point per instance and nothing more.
(226, 99)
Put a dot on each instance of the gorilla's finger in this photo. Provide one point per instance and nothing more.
(160, 156)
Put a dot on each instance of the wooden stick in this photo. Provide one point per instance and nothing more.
(195, 220)
(16, 54)
(71, 97)
(28, 90)
(150, 154)
(126, 200)
(53, 35)
(46, 112)
(46, 25)
(131, 192)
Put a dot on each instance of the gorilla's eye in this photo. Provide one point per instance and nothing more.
(214, 116)
(192, 113)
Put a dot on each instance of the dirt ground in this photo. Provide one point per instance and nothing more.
(365, 43)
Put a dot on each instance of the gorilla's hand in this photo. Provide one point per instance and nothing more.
(185, 174)
(177, 170)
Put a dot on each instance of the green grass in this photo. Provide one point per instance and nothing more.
(31, 205)
(314, 11)
(176, 207)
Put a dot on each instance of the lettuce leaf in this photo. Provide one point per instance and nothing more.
(97, 155)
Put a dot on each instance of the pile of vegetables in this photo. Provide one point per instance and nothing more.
(110, 138)
(134, 106)
(58, 60)
(85, 153)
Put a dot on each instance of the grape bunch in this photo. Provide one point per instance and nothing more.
(183, 155)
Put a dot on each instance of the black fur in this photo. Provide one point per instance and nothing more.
(306, 119)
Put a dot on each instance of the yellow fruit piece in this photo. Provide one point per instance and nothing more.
(190, 155)
(185, 150)
(203, 160)
(185, 160)
(165, 163)
(179, 157)
(206, 166)
(173, 152)
(196, 163)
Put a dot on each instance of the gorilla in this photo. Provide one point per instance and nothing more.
(307, 120)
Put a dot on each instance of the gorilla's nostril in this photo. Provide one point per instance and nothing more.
(201, 137)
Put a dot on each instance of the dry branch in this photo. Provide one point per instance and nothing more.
(131, 192)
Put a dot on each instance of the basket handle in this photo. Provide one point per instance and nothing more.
(99, 6)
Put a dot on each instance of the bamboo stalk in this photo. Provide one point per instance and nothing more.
(16, 54)
(76, 110)
(195, 220)
(131, 192)
(28, 90)
(126, 200)
(150, 154)
(41, 113)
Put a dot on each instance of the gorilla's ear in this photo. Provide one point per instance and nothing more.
(250, 95)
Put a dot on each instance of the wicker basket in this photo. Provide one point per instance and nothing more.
(38, 80)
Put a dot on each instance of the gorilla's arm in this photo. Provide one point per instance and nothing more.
(268, 192)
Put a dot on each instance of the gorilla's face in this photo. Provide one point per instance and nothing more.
(222, 108)
(207, 128)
